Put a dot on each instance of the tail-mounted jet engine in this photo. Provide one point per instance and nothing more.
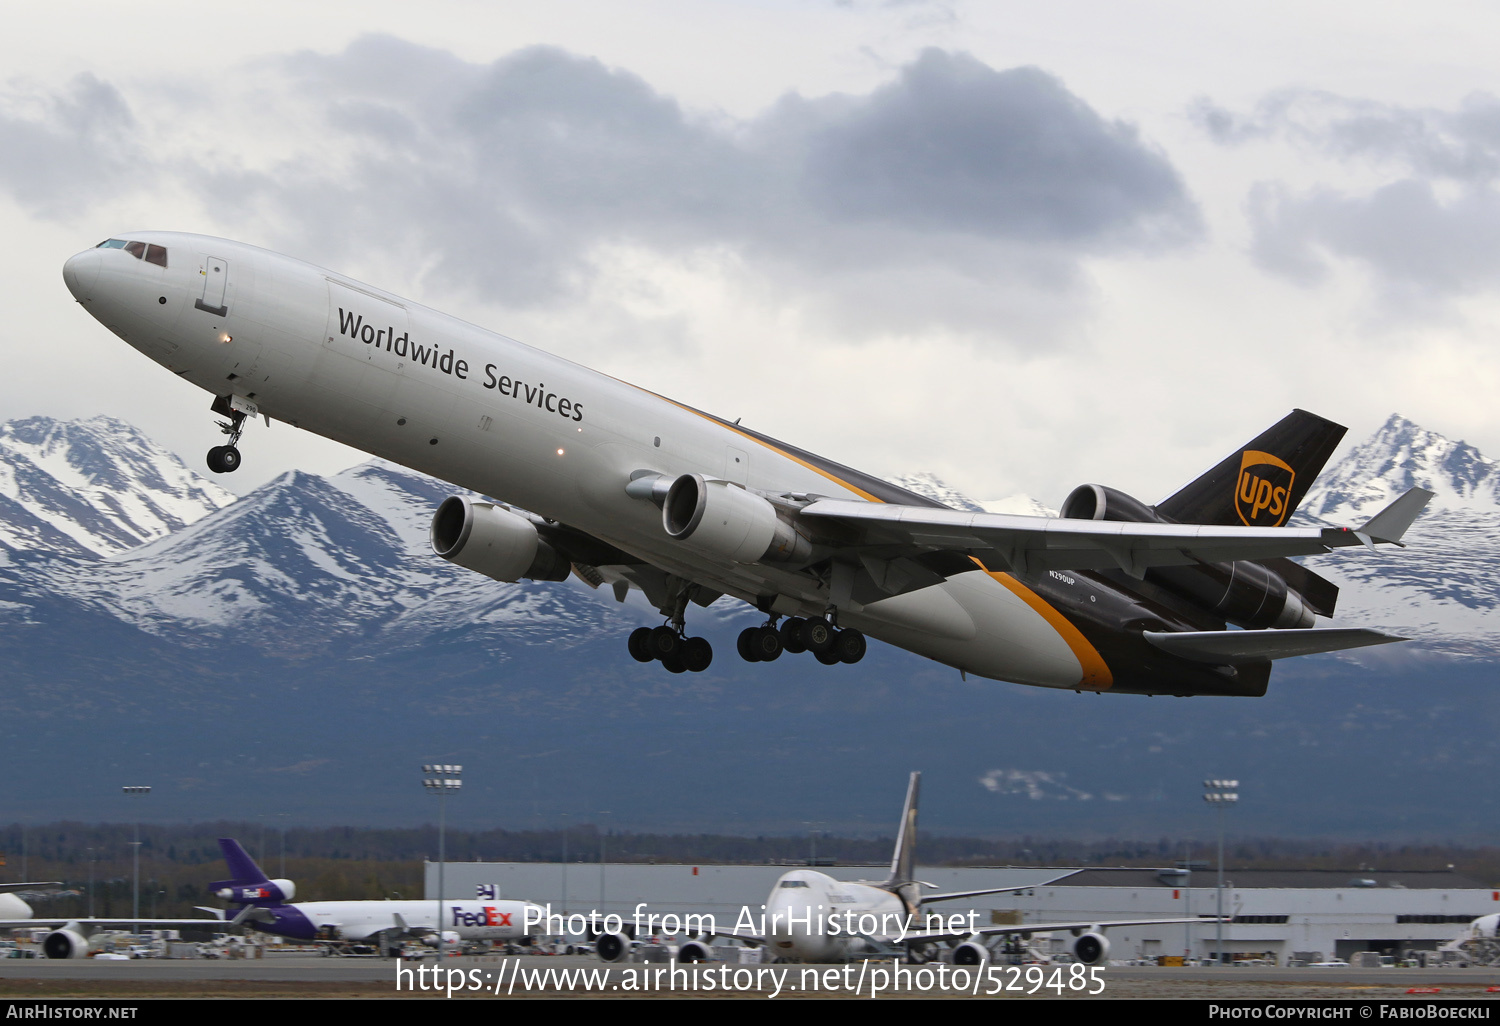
(493, 541)
(1091, 948)
(724, 520)
(271, 892)
(1245, 593)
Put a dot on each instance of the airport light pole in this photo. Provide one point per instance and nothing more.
(441, 780)
(1221, 794)
(135, 901)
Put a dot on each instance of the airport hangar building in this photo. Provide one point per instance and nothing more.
(1278, 914)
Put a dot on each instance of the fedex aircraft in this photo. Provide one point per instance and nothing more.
(265, 904)
(811, 917)
(617, 485)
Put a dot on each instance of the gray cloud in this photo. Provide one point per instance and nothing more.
(1461, 145)
(80, 141)
(1417, 243)
(508, 180)
(955, 146)
(1428, 233)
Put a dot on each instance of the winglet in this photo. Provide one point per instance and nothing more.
(1391, 523)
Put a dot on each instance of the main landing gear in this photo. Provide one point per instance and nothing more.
(667, 644)
(225, 459)
(828, 644)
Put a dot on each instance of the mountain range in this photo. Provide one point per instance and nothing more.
(298, 652)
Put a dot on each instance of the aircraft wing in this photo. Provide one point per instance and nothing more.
(21, 924)
(248, 912)
(1025, 544)
(1029, 928)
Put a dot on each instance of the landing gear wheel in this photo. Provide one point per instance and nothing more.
(849, 645)
(791, 635)
(745, 644)
(674, 663)
(640, 645)
(817, 634)
(767, 644)
(223, 459)
(697, 653)
(828, 657)
(665, 642)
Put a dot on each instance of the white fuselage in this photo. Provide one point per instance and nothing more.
(812, 917)
(420, 388)
(361, 920)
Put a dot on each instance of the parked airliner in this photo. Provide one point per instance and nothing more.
(74, 938)
(811, 917)
(266, 905)
(622, 487)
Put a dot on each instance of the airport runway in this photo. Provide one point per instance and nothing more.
(497, 978)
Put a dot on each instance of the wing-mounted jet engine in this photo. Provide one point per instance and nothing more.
(494, 541)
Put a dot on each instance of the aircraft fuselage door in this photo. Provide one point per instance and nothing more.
(737, 467)
(215, 281)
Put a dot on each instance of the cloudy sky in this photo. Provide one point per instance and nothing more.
(1018, 245)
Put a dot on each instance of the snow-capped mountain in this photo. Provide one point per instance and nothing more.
(94, 513)
(231, 648)
(1441, 589)
(1399, 456)
(94, 486)
(934, 487)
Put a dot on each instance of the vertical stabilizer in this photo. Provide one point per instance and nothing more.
(1261, 483)
(242, 868)
(903, 861)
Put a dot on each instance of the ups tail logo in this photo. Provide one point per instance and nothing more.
(1265, 485)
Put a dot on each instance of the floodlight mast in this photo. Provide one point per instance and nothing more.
(441, 779)
(135, 901)
(1220, 794)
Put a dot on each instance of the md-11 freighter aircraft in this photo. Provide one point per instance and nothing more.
(620, 486)
(265, 904)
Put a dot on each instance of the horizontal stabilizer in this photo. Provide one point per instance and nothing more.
(1234, 647)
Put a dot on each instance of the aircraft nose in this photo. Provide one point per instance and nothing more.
(81, 274)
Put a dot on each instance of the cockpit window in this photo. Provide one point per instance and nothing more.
(794, 883)
(151, 253)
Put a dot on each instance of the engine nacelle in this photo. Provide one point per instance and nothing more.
(612, 947)
(1091, 948)
(694, 951)
(724, 520)
(493, 541)
(1244, 593)
(65, 943)
(270, 892)
(969, 953)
